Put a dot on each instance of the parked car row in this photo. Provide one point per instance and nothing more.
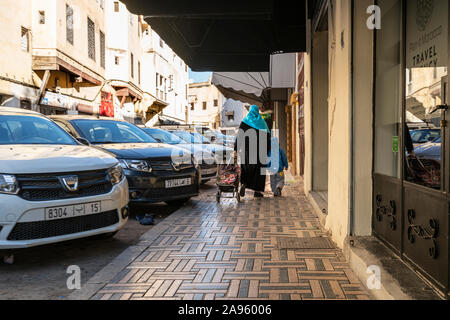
(68, 177)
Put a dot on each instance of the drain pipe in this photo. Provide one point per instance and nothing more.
(352, 129)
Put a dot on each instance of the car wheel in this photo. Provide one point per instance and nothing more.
(178, 203)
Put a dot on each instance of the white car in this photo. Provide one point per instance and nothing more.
(53, 188)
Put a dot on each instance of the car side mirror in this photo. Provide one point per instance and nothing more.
(84, 141)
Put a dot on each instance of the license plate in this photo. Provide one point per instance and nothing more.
(178, 183)
(64, 212)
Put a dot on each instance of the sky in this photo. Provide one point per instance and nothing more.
(199, 76)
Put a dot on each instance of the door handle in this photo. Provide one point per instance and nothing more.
(440, 107)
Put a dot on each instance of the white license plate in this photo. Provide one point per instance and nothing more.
(64, 212)
(178, 183)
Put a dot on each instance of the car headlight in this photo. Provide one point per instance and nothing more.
(136, 165)
(8, 184)
(116, 174)
(194, 161)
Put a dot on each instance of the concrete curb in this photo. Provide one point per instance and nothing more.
(398, 281)
(104, 276)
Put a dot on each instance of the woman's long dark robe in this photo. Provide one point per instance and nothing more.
(251, 176)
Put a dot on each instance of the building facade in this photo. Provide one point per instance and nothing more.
(55, 64)
(369, 81)
(88, 57)
(206, 103)
(232, 114)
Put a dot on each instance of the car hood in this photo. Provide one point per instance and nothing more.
(196, 149)
(428, 151)
(140, 151)
(26, 159)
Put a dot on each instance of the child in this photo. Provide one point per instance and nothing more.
(277, 167)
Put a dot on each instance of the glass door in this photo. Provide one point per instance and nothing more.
(425, 132)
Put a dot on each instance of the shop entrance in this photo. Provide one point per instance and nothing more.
(412, 177)
(320, 124)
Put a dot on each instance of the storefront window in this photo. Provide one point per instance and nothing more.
(388, 90)
(426, 77)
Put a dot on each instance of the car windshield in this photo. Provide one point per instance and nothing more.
(198, 138)
(16, 129)
(185, 136)
(109, 131)
(423, 136)
(164, 136)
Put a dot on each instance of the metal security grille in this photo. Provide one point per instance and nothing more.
(166, 193)
(48, 229)
(91, 38)
(102, 50)
(48, 187)
(69, 24)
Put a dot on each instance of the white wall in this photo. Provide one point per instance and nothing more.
(339, 122)
(205, 92)
(363, 120)
(14, 62)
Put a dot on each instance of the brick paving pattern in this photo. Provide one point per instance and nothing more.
(231, 251)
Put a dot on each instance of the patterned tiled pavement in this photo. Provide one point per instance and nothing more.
(232, 251)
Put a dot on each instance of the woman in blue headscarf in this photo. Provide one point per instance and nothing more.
(253, 146)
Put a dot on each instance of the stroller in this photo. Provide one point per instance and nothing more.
(424, 172)
(228, 180)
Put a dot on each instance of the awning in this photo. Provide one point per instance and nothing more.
(247, 87)
(126, 91)
(231, 35)
(151, 106)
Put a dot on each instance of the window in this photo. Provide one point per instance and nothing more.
(388, 94)
(157, 79)
(91, 39)
(205, 105)
(132, 65)
(108, 131)
(116, 6)
(231, 118)
(192, 106)
(24, 40)
(116, 60)
(139, 72)
(69, 24)
(41, 17)
(102, 50)
(216, 103)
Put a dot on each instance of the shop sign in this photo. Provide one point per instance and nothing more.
(427, 32)
(58, 100)
(395, 144)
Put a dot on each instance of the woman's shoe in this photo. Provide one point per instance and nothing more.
(259, 195)
(242, 192)
(278, 192)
